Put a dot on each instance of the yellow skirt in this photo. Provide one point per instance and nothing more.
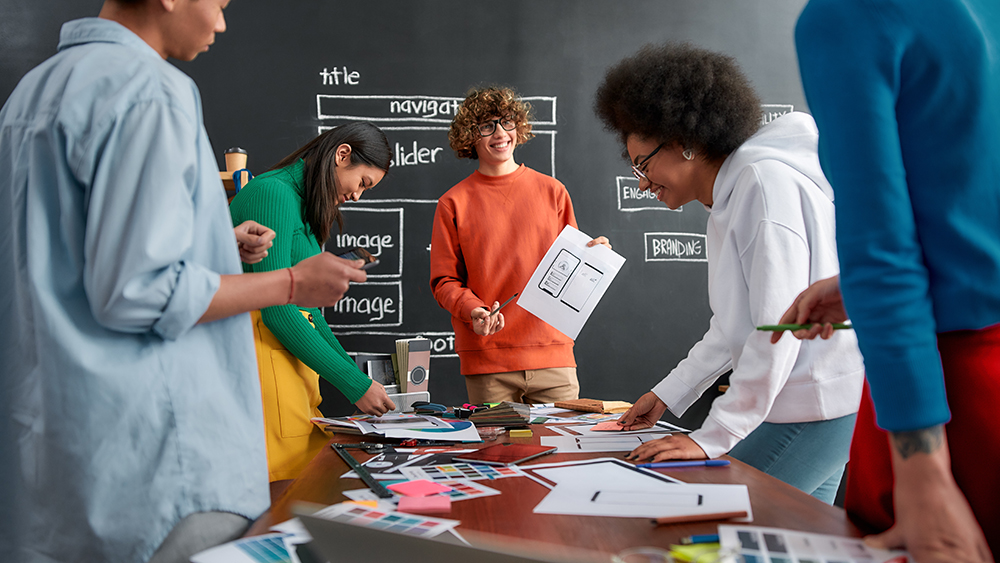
(291, 398)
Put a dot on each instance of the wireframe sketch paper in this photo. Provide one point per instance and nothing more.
(612, 487)
(570, 281)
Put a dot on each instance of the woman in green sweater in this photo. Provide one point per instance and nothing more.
(299, 199)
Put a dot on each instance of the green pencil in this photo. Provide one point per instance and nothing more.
(778, 328)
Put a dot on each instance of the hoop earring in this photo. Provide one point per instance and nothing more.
(688, 154)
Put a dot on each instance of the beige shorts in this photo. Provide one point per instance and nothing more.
(532, 386)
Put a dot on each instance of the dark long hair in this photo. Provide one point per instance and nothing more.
(368, 146)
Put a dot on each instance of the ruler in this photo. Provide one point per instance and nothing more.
(373, 484)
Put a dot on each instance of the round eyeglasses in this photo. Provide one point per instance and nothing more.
(489, 127)
(639, 170)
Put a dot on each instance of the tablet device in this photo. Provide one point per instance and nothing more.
(505, 454)
(346, 542)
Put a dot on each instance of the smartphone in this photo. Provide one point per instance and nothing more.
(359, 253)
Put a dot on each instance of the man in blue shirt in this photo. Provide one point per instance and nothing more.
(906, 95)
(130, 406)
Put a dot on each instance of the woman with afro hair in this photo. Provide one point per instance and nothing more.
(691, 125)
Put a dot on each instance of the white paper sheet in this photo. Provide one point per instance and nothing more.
(609, 442)
(611, 487)
(661, 428)
(570, 281)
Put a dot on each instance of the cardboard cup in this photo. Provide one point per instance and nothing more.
(236, 159)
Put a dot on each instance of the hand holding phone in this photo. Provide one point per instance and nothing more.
(359, 253)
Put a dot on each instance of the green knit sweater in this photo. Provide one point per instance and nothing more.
(275, 199)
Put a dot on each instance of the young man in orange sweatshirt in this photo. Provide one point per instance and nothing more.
(490, 232)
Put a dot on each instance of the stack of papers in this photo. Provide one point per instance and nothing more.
(594, 405)
(505, 414)
(403, 426)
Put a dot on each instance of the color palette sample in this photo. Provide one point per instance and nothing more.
(459, 471)
(461, 489)
(269, 549)
(464, 489)
(775, 545)
(410, 524)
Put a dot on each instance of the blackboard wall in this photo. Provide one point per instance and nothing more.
(285, 70)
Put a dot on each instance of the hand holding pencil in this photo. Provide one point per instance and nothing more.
(820, 305)
(489, 321)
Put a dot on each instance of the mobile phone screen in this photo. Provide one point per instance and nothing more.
(359, 253)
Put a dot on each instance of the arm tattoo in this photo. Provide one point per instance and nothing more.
(926, 440)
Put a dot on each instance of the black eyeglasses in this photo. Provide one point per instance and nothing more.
(488, 128)
(638, 170)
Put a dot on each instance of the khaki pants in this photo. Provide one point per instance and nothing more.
(531, 386)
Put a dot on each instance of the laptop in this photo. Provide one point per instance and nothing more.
(341, 542)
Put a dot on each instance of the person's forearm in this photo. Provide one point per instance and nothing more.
(919, 455)
(241, 293)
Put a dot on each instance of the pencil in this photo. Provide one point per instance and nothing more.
(699, 517)
(778, 328)
(504, 303)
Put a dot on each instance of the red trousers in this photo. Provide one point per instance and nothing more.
(971, 361)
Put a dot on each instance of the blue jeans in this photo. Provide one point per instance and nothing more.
(809, 456)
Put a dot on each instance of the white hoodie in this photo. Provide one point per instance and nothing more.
(771, 233)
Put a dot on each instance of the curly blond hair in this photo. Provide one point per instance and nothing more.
(482, 104)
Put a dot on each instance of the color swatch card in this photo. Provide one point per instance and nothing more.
(776, 545)
(461, 489)
(459, 471)
(268, 548)
(410, 524)
(465, 489)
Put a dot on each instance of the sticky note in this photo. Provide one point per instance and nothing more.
(609, 426)
(520, 433)
(434, 504)
(366, 503)
(418, 488)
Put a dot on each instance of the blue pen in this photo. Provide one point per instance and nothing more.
(703, 538)
(699, 463)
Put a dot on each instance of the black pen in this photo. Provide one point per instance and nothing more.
(501, 306)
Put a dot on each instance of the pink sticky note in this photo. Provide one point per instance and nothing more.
(434, 504)
(609, 426)
(418, 488)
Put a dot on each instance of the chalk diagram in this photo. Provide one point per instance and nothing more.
(570, 280)
(418, 128)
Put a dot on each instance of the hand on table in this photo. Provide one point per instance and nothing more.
(820, 304)
(933, 520)
(674, 446)
(375, 401)
(253, 240)
(644, 413)
(483, 324)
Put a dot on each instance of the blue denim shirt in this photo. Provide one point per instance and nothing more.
(119, 415)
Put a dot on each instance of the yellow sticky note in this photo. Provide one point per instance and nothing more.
(367, 503)
(520, 433)
(695, 553)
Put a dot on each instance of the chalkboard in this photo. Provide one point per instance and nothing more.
(284, 71)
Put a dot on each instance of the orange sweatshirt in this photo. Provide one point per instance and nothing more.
(490, 233)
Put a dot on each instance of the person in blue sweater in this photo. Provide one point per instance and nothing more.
(906, 95)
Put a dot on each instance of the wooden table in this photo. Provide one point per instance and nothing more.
(774, 504)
